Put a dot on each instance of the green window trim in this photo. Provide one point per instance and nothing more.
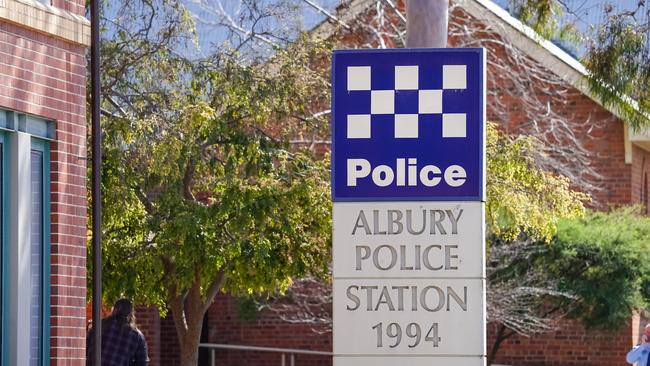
(4, 248)
(39, 133)
(44, 147)
(37, 127)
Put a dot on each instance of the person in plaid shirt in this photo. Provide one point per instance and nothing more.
(122, 342)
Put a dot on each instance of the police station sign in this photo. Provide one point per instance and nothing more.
(408, 185)
(408, 125)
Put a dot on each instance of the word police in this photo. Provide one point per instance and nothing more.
(404, 174)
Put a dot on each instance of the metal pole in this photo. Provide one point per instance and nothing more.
(213, 361)
(292, 360)
(283, 362)
(96, 181)
(427, 23)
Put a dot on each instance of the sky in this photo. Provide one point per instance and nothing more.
(584, 14)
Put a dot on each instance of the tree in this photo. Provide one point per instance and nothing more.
(207, 196)
(618, 51)
(521, 196)
(523, 201)
(595, 270)
(203, 190)
(604, 260)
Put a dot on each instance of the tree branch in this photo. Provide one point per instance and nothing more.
(214, 288)
(174, 298)
(188, 179)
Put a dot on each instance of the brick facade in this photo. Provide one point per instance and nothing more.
(73, 6)
(571, 345)
(45, 76)
(222, 326)
(641, 177)
(148, 321)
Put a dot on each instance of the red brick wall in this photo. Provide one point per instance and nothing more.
(222, 326)
(169, 350)
(571, 345)
(641, 177)
(148, 321)
(46, 77)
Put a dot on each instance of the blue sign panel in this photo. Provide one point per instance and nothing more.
(408, 125)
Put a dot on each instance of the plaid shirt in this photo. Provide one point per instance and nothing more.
(121, 346)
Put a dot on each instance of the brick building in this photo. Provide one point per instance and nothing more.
(43, 175)
(599, 148)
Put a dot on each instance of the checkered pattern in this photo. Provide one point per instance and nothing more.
(382, 102)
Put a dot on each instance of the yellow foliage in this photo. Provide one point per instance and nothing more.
(521, 197)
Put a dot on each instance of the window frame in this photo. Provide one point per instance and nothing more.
(4, 248)
(40, 132)
(44, 147)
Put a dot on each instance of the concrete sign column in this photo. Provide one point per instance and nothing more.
(408, 184)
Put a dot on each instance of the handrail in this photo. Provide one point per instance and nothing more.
(283, 351)
(264, 349)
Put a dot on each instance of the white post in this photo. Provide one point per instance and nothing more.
(427, 22)
(19, 251)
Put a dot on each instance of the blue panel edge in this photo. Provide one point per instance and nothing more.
(483, 132)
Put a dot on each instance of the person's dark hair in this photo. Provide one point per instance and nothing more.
(123, 313)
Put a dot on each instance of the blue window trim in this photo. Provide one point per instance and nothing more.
(4, 246)
(42, 132)
(44, 147)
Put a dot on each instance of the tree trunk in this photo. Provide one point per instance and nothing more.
(427, 23)
(502, 335)
(188, 311)
(188, 319)
(190, 345)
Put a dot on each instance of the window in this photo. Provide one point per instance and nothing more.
(36, 268)
(644, 196)
(25, 239)
(39, 254)
(3, 248)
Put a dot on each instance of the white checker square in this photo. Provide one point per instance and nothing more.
(454, 77)
(454, 125)
(358, 78)
(382, 102)
(359, 126)
(430, 101)
(406, 126)
(406, 77)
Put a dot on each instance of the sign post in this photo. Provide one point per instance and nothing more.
(408, 184)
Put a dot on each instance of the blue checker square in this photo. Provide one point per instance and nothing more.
(408, 125)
